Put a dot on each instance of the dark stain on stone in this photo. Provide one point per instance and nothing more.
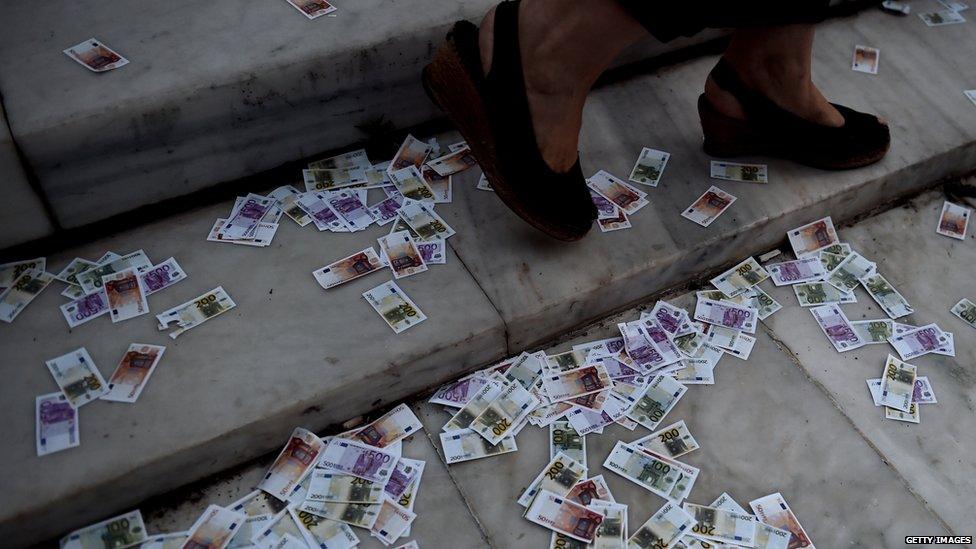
(377, 402)
(271, 291)
(332, 360)
(311, 410)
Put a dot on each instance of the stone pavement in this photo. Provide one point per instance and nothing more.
(795, 418)
(293, 354)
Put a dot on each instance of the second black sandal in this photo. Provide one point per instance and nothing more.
(492, 114)
(773, 131)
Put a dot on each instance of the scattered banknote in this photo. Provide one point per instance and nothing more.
(807, 269)
(296, 460)
(874, 331)
(587, 490)
(866, 59)
(813, 237)
(77, 266)
(663, 529)
(77, 377)
(456, 394)
(353, 514)
(411, 184)
(672, 441)
(279, 531)
(386, 210)
(162, 276)
(526, 369)
(504, 413)
(215, 528)
(322, 215)
(356, 158)
(656, 400)
(966, 311)
(442, 186)
(261, 238)
(243, 221)
(394, 306)
(96, 56)
(390, 428)
(9, 272)
(767, 537)
(709, 206)
(422, 219)
(564, 516)
(971, 94)
(453, 162)
(812, 294)
(896, 7)
(939, 18)
(923, 393)
(641, 468)
(612, 532)
(331, 179)
(91, 280)
(312, 8)
(391, 522)
(173, 540)
(847, 274)
(340, 488)
(618, 221)
(347, 206)
(695, 371)
(727, 314)
(485, 185)
(624, 196)
(585, 419)
(400, 251)
(406, 473)
(837, 328)
(350, 268)
(322, 532)
(953, 220)
(575, 383)
(557, 477)
(413, 152)
(740, 278)
(57, 424)
(121, 531)
(477, 404)
(742, 347)
(922, 340)
(911, 416)
(897, 384)
(125, 294)
(723, 526)
(72, 292)
(133, 371)
(465, 445)
(358, 459)
(734, 171)
(649, 167)
(774, 511)
(830, 260)
(286, 197)
(196, 311)
(564, 439)
(25, 288)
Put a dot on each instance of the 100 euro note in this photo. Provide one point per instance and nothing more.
(642, 469)
(196, 311)
(296, 460)
(121, 531)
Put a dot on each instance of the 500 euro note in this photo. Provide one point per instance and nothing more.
(358, 459)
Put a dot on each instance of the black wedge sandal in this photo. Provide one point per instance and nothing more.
(492, 113)
(772, 131)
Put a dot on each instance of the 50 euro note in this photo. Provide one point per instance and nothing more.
(564, 516)
(558, 476)
(215, 528)
(196, 311)
(121, 531)
(349, 268)
(774, 511)
(125, 294)
(294, 462)
(358, 459)
(465, 445)
(390, 428)
(575, 383)
(133, 371)
(25, 288)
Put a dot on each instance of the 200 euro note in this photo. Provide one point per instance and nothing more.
(296, 460)
(465, 445)
(897, 384)
(475, 405)
(558, 476)
(672, 441)
(78, 377)
(504, 413)
(663, 529)
(722, 525)
(121, 531)
(341, 488)
(196, 311)
(9, 272)
(322, 532)
(24, 289)
(391, 521)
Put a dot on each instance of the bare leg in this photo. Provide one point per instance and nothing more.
(775, 61)
(565, 45)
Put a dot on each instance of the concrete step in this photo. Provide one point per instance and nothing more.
(794, 418)
(293, 354)
(213, 91)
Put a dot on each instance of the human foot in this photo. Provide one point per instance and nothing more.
(788, 85)
(555, 96)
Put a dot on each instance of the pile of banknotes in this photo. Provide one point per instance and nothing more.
(316, 493)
